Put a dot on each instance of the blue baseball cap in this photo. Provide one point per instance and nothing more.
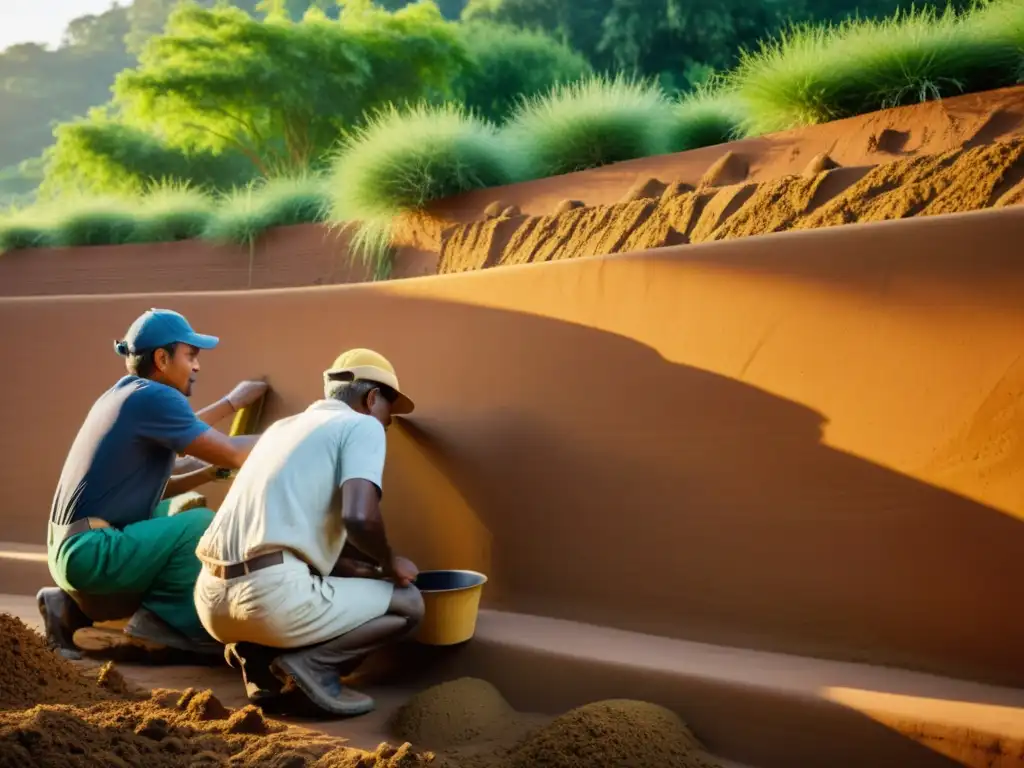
(156, 328)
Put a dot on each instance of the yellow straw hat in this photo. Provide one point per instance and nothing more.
(369, 365)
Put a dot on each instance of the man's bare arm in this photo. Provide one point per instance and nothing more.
(244, 394)
(184, 465)
(218, 449)
(183, 483)
(216, 412)
(352, 552)
(360, 509)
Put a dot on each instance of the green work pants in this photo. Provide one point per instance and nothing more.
(153, 560)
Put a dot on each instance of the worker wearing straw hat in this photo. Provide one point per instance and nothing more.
(278, 585)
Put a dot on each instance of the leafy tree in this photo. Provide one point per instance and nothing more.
(679, 40)
(450, 9)
(100, 155)
(103, 32)
(507, 63)
(39, 87)
(295, 9)
(575, 23)
(281, 92)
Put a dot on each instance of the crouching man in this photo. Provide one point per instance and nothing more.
(275, 586)
(113, 549)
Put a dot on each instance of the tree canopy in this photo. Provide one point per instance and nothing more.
(281, 92)
(214, 91)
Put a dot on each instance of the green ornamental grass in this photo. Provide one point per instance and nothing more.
(706, 117)
(30, 227)
(1002, 22)
(815, 74)
(588, 124)
(172, 213)
(404, 159)
(94, 221)
(246, 213)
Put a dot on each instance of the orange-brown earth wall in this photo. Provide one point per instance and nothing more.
(809, 442)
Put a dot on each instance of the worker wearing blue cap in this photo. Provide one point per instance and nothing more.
(113, 549)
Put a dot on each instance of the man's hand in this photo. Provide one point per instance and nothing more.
(403, 571)
(246, 393)
(348, 568)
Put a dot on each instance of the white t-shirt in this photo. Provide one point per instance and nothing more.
(287, 495)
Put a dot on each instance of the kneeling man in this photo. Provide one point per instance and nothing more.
(113, 548)
(275, 586)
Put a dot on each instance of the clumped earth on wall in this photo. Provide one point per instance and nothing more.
(724, 205)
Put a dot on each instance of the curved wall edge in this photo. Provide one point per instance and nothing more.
(806, 442)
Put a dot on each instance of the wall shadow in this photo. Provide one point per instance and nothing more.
(594, 479)
(624, 490)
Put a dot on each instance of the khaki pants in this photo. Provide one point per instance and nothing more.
(287, 606)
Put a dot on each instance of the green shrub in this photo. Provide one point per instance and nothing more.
(589, 124)
(99, 156)
(246, 213)
(30, 227)
(172, 213)
(93, 221)
(508, 63)
(814, 74)
(1002, 22)
(402, 160)
(706, 117)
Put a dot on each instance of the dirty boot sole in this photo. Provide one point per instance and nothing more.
(350, 704)
(59, 637)
(148, 627)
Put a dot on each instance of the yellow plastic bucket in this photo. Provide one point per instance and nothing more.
(452, 601)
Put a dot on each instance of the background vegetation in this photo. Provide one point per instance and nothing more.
(161, 120)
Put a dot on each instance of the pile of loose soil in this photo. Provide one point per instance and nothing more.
(33, 674)
(726, 206)
(55, 714)
(471, 725)
(616, 733)
(453, 714)
(174, 730)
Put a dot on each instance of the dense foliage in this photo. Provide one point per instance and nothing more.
(677, 42)
(185, 118)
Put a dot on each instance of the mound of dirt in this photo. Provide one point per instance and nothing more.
(53, 714)
(33, 674)
(452, 714)
(729, 169)
(102, 720)
(644, 189)
(612, 734)
(151, 734)
(568, 205)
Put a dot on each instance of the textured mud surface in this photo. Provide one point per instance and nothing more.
(725, 206)
(56, 714)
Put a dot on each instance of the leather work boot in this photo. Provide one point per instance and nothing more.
(317, 673)
(61, 619)
(146, 625)
(254, 663)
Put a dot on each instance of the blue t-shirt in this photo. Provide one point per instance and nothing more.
(124, 453)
